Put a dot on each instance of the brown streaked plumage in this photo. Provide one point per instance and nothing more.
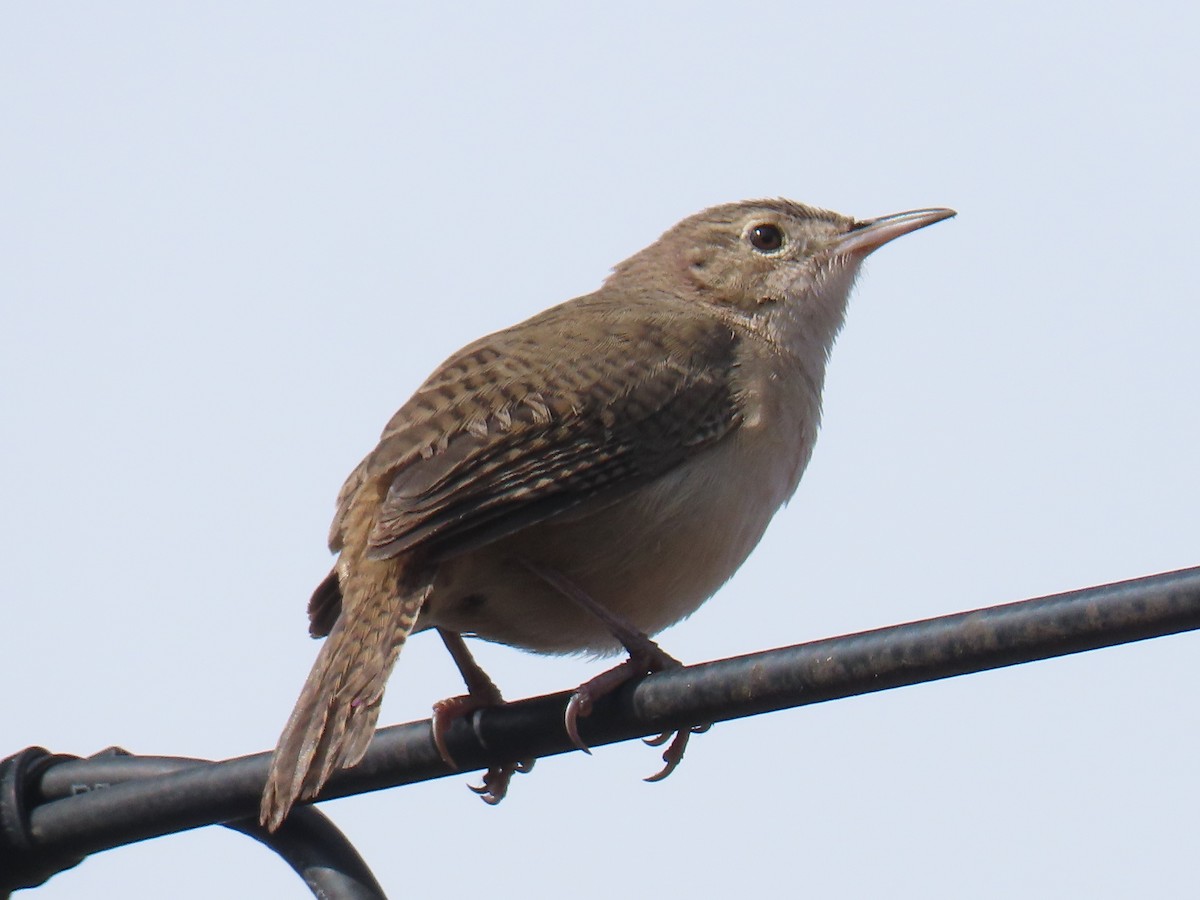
(633, 444)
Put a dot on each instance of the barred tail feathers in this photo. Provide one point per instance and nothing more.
(334, 719)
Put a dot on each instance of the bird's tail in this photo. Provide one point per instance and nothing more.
(335, 717)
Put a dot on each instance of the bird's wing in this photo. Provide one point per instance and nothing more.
(531, 421)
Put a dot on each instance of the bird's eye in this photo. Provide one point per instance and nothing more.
(765, 238)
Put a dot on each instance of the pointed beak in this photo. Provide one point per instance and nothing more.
(871, 234)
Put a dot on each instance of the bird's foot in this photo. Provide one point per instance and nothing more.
(482, 693)
(496, 779)
(445, 712)
(673, 755)
(645, 658)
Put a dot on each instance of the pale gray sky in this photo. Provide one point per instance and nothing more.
(234, 237)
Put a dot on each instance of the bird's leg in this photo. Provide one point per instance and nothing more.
(482, 693)
(645, 658)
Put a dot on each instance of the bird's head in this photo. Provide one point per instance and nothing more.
(783, 263)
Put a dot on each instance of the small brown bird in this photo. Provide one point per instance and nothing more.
(585, 478)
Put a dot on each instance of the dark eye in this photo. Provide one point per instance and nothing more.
(765, 238)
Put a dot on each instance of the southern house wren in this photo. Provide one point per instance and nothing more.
(587, 477)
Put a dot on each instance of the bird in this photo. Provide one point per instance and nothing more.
(582, 480)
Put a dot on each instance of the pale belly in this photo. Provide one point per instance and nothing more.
(652, 558)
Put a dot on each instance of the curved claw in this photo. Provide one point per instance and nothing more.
(659, 740)
(444, 713)
(579, 705)
(673, 755)
(497, 778)
(488, 795)
(495, 785)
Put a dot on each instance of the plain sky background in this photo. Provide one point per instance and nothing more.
(235, 237)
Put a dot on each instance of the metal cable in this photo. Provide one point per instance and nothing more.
(67, 827)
